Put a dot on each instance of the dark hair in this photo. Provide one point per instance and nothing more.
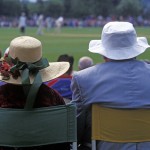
(67, 58)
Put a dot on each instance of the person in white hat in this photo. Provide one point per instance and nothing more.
(24, 71)
(121, 81)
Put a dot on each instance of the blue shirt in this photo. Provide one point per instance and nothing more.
(62, 86)
(123, 84)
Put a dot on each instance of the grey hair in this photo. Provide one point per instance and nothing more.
(85, 62)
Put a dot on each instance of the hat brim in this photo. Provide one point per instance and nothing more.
(96, 46)
(54, 70)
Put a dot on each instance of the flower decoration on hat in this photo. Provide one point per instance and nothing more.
(5, 68)
(15, 68)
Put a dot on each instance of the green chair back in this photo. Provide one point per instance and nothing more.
(39, 126)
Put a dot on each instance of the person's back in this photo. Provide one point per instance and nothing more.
(120, 82)
(24, 77)
(62, 83)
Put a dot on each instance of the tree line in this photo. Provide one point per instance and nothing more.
(76, 8)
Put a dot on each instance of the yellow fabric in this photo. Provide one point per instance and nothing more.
(120, 125)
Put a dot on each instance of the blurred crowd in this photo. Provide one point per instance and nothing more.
(89, 21)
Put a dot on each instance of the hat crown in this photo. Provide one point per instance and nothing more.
(117, 35)
(31, 65)
(26, 49)
(119, 41)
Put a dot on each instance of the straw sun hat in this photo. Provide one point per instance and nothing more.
(26, 52)
(119, 41)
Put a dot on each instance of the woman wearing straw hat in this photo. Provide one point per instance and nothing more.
(24, 72)
(121, 81)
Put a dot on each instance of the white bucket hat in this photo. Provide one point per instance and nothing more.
(119, 41)
(28, 51)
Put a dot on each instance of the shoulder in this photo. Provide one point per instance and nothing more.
(84, 75)
(88, 71)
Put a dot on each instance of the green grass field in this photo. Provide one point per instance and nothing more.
(72, 41)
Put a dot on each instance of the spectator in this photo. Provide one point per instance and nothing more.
(85, 62)
(62, 83)
(24, 73)
(121, 81)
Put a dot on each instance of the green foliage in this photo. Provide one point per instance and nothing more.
(67, 8)
(9, 7)
(75, 8)
(91, 7)
(79, 8)
(48, 8)
(104, 8)
(146, 8)
(54, 8)
(129, 7)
